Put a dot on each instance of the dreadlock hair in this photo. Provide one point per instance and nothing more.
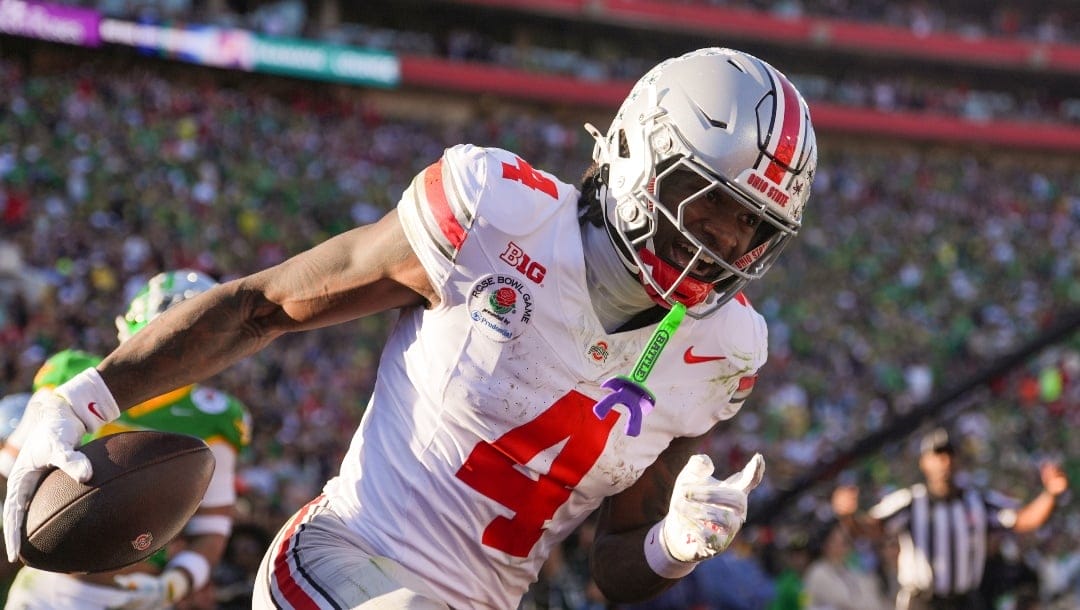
(590, 208)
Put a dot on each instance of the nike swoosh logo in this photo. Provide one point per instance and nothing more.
(92, 407)
(691, 358)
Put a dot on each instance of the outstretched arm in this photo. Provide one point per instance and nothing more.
(1036, 513)
(360, 272)
(845, 505)
(363, 271)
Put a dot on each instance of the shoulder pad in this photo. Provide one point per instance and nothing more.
(234, 421)
(506, 191)
(744, 331)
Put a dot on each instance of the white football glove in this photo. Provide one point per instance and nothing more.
(151, 592)
(705, 514)
(59, 419)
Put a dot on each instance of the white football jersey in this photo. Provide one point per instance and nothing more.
(480, 449)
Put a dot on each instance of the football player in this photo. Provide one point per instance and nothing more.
(523, 301)
(217, 418)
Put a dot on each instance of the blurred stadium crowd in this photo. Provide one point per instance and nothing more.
(917, 268)
(613, 59)
(1055, 23)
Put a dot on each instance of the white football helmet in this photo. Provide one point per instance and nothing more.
(160, 293)
(742, 128)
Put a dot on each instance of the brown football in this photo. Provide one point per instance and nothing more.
(145, 487)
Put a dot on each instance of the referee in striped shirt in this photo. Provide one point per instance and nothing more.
(942, 527)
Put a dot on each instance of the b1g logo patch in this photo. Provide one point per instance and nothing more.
(500, 306)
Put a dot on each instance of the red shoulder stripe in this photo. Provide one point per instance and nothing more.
(439, 205)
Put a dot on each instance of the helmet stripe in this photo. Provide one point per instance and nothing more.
(784, 147)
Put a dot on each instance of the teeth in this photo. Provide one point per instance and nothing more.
(705, 258)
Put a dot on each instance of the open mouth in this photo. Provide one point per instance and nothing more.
(682, 252)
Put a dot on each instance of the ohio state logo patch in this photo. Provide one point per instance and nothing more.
(598, 352)
(500, 306)
(142, 541)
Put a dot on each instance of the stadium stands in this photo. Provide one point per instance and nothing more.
(919, 265)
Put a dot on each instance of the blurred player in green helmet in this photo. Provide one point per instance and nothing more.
(182, 569)
(162, 292)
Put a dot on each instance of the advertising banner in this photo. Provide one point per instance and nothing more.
(336, 63)
(198, 44)
(52, 22)
(243, 50)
